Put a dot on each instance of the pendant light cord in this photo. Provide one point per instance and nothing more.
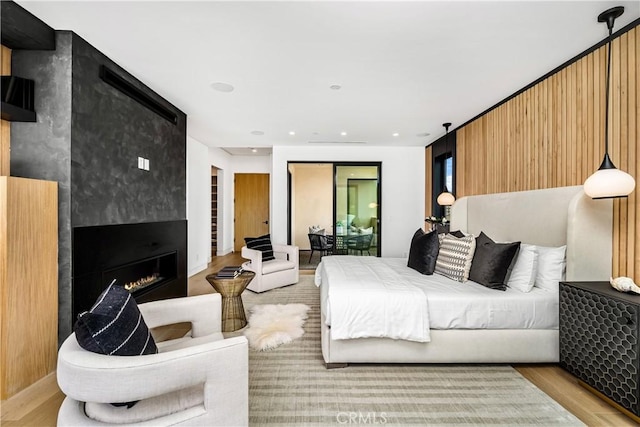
(606, 110)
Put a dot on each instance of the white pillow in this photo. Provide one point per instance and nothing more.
(365, 230)
(551, 267)
(523, 273)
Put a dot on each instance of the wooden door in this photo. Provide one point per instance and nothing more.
(251, 196)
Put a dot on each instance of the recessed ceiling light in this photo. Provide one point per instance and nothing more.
(421, 135)
(396, 134)
(343, 133)
(335, 87)
(254, 150)
(316, 133)
(292, 133)
(257, 132)
(222, 87)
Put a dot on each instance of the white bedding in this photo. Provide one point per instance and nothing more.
(451, 305)
(369, 299)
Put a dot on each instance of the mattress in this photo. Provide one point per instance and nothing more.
(455, 305)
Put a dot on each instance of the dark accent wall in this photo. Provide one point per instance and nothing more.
(88, 137)
(109, 132)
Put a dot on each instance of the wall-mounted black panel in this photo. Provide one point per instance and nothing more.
(112, 78)
(17, 99)
(21, 30)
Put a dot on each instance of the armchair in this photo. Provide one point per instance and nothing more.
(199, 379)
(282, 271)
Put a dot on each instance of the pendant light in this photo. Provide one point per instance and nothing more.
(446, 198)
(608, 181)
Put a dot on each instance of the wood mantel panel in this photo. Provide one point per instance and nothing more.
(551, 135)
(28, 282)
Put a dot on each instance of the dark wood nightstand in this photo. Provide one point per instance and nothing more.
(600, 341)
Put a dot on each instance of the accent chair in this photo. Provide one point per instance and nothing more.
(278, 272)
(199, 379)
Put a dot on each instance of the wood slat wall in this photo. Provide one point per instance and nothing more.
(552, 136)
(5, 126)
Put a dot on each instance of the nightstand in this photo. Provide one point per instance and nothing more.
(600, 340)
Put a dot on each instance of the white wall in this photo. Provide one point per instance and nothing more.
(402, 189)
(402, 192)
(198, 206)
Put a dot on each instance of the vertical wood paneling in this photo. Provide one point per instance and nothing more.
(5, 126)
(551, 135)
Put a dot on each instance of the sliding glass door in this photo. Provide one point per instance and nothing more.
(357, 208)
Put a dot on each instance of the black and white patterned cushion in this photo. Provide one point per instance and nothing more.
(263, 244)
(114, 326)
(455, 256)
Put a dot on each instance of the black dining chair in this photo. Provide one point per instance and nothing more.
(319, 243)
(360, 243)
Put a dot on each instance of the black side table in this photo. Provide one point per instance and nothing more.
(600, 341)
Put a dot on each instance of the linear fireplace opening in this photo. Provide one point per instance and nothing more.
(142, 276)
(148, 259)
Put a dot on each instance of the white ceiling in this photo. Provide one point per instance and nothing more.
(403, 67)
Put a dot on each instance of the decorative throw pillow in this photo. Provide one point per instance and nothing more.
(368, 230)
(263, 244)
(456, 233)
(551, 267)
(423, 251)
(455, 256)
(523, 273)
(114, 326)
(491, 261)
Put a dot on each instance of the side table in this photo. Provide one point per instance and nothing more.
(600, 341)
(233, 316)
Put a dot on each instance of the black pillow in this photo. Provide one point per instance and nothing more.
(263, 244)
(114, 326)
(423, 251)
(457, 233)
(491, 261)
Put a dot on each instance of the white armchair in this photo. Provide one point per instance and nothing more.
(282, 271)
(199, 379)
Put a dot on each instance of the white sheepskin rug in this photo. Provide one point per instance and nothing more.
(271, 325)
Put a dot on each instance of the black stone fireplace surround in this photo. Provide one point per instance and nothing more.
(128, 253)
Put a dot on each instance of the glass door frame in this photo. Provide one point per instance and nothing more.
(378, 166)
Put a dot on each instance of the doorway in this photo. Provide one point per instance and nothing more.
(341, 200)
(251, 207)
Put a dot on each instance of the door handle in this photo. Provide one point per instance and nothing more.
(266, 222)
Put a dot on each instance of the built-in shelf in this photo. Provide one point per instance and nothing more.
(214, 214)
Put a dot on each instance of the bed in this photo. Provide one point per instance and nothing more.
(522, 327)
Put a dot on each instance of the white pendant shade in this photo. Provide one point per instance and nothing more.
(445, 199)
(606, 183)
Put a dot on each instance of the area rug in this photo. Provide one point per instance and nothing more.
(289, 385)
(272, 325)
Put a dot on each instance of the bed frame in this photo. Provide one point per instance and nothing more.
(550, 217)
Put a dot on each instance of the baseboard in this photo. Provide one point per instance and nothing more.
(197, 269)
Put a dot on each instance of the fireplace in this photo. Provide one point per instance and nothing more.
(149, 259)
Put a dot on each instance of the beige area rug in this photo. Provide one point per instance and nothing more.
(290, 385)
(271, 325)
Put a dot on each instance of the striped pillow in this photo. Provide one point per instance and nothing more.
(455, 256)
(114, 326)
(263, 244)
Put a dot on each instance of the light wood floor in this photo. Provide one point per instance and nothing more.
(38, 405)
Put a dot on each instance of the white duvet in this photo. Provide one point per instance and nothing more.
(369, 299)
(349, 282)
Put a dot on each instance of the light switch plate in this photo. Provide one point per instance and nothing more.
(146, 164)
(140, 163)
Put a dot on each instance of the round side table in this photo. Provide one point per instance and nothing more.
(233, 316)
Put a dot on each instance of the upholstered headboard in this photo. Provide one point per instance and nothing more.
(550, 217)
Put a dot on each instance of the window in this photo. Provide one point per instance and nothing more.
(443, 155)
